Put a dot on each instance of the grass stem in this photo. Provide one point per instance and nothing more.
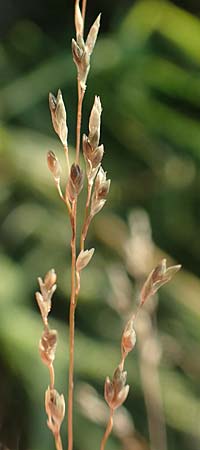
(72, 329)
(58, 441)
(108, 430)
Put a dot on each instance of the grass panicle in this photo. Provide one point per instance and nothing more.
(93, 177)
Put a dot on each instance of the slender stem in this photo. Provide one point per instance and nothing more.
(65, 200)
(73, 272)
(57, 182)
(72, 329)
(84, 232)
(58, 441)
(52, 376)
(84, 3)
(86, 223)
(108, 430)
(79, 117)
(123, 357)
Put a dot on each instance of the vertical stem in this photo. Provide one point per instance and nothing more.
(72, 329)
(58, 441)
(73, 271)
(52, 376)
(108, 430)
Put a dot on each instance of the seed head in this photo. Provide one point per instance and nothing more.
(92, 35)
(54, 165)
(82, 60)
(93, 158)
(78, 20)
(47, 346)
(95, 123)
(87, 149)
(83, 259)
(157, 278)
(75, 182)
(55, 409)
(50, 279)
(82, 51)
(47, 289)
(101, 190)
(128, 337)
(97, 156)
(116, 391)
(58, 115)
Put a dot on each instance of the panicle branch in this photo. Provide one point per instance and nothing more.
(116, 391)
(54, 402)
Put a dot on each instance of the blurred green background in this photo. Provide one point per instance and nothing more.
(146, 68)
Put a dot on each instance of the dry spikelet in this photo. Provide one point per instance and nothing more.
(92, 35)
(50, 279)
(54, 165)
(47, 288)
(82, 51)
(58, 115)
(78, 20)
(47, 346)
(116, 391)
(101, 190)
(95, 123)
(55, 409)
(83, 259)
(75, 182)
(128, 337)
(157, 278)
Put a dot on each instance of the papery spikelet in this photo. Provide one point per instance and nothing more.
(128, 337)
(121, 397)
(44, 306)
(75, 182)
(54, 165)
(95, 123)
(81, 51)
(92, 35)
(78, 20)
(50, 279)
(55, 409)
(108, 391)
(47, 288)
(101, 190)
(83, 259)
(47, 346)
(116, 391)
(58, 115)
(157, 278)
